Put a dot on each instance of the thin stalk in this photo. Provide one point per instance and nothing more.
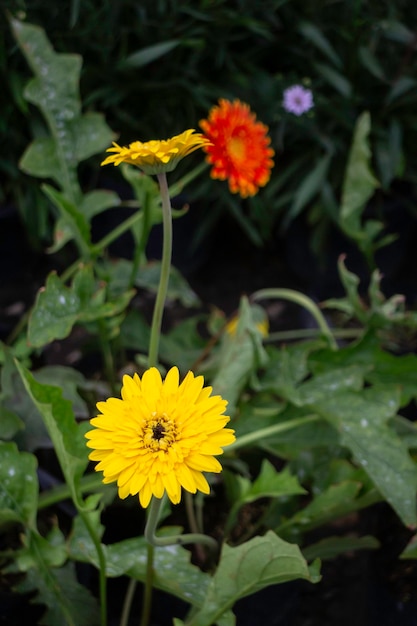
(192, 522)
(165, 269)
(127, 603)
(307, 333)
(102, 566)
(302, 300)
(269, 431)
(147, 593)
(182, 540)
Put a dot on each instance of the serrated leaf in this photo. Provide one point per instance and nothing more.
(18, 485)
(273, 484)
(172, 568)
(58, 307)
(240, 355)
(268, 484)
(67, 436)
(359, 183)
(55, 90)
(68, 603)
(361, 419)
(248, 568)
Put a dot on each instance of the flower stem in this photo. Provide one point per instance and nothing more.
(127, 604)
(169, 540)
(302, 300)
(147, 594)
(165, 269)
(102, 565)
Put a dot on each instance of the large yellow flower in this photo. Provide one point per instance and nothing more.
(160, 436)
(239, 147)
(157, 156)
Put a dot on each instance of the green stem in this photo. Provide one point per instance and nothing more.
(302, 300)
(127, 604)
(192, 522)
(269, 431)
(165, 269)
(307, 333)
(182, 540)
(101, 562)
(147, 592)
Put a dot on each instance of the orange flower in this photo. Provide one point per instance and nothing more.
(239, 150)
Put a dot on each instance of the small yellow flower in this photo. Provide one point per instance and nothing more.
(261, 325)
(157, 156)
(161, 436)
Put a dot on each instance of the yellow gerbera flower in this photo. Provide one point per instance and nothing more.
(160, 436)
(157, 156)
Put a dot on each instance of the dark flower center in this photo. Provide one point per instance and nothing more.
(158, 431)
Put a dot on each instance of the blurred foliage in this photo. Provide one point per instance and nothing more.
(156, 67)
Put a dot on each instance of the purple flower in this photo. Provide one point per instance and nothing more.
(297, 100)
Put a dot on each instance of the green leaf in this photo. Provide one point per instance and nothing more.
(309, 187)
(240, 355)
(335, 501)
(18, 485)
(268, 484)
(359, 183)
(172, 568)
(58, 308)
(10, 423)
(361, 419)
(40, 159)
(68, 603)
(70, 214)
(315, 35)
(183, 345)
(400, 87)
(92, 135)
(66, 435)
(248, 568)
(178, 288)
(151, 53)
(97, 201)
(410, 551)
(55, 90)
(371, 63)
(331, 547)
(335, 79)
